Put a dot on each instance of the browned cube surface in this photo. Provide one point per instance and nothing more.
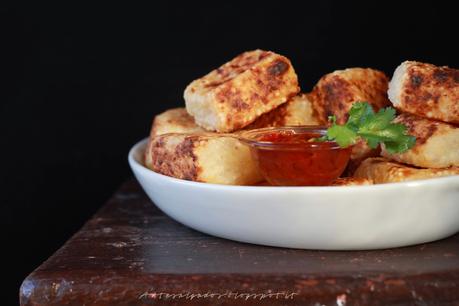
(130, 253)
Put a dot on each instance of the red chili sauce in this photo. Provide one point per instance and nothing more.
(289, 159)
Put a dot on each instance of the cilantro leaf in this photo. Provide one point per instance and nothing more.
(403, 144)
(342, 134)
(378, 121)
(358, 114)
(374, 128)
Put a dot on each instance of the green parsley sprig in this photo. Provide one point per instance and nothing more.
(374, 128)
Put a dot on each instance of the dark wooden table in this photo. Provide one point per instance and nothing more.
(130, 253)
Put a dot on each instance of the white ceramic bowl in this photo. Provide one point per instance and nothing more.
(326, 218)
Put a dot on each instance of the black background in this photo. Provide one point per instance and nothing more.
(82, 84)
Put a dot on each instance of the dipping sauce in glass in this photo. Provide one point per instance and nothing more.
(290, 156)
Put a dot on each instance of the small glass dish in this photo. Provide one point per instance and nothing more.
(290, 156)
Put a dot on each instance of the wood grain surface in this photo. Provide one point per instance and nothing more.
(130, 253)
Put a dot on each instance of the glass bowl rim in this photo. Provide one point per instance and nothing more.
(248, 137)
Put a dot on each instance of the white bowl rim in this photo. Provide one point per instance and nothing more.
(415, 183)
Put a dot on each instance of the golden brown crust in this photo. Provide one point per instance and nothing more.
(431, 91)
(335, 92)
(380, 170)
(360, 152)
(352, 181)
(174, 156)
(175, 120)
(422, 128)
(297, 111)
(342, 181)
(276, 117)
(208, 158)
(437, 143)
(236, 94)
